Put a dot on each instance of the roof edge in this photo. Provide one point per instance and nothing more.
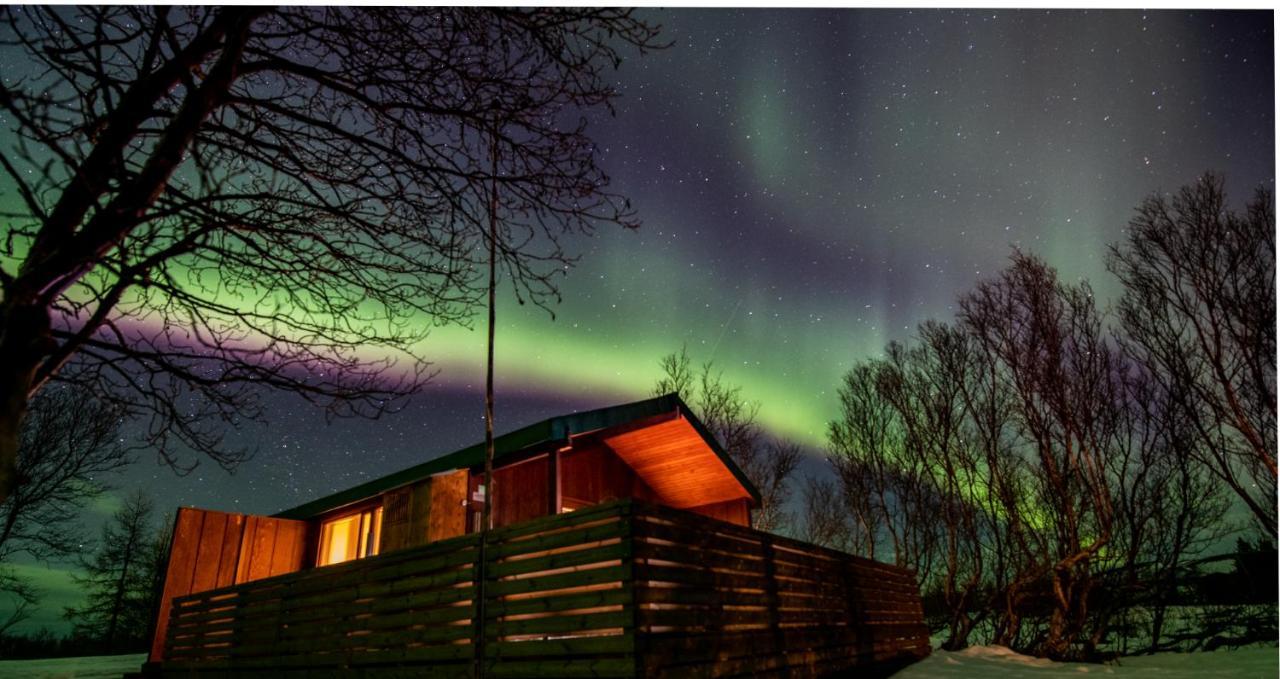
(559, 428)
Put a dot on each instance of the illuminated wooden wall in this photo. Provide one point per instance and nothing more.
(217, 549)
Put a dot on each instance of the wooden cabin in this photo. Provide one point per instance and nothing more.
(383, 575)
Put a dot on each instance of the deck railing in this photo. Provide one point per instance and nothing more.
(623, 589)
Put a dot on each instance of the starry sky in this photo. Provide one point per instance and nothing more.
(813, 184)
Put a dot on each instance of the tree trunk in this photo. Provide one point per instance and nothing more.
(24, 341)
(122, 584)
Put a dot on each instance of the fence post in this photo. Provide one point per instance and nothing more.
(771, 597)
(629, 514)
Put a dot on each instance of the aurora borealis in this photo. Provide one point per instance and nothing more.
(813, 184)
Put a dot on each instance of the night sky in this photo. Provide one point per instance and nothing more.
(812, 184)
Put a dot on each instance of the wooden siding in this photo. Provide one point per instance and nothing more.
(623, 589)
(521, 491)
(216, 549)
(673, 458)
(427, 511)
(591, 473)
(737, 512)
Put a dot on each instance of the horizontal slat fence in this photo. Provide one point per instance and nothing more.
(558, 596)
(411, 606)
(622, 589)
(718, 600)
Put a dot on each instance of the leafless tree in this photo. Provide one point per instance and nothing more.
(886, 485)
(20, 597)
(120, 578)
(1067, 378)
(731, 418)
(1199, 308)
(925, 384)
(69, 448)
(217, 199)
(1010, 542)
(824, 519)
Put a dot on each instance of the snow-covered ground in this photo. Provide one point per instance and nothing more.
(980, 662)
(998, 661)
(93, 667)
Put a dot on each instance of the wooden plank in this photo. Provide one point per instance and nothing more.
(735, 602)
(704, 539)
(593, 576)
(609, 528)
(209, 551)
(563, 602)
(288, 555)
(605, 553)
(560, 522)
(619, 644)
(419, 513)
(559, 624)
(178, 572)
(697, 578)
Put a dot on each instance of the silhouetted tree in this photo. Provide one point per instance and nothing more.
(69, 447)
(824, 519)
(731, 418)
(19, 595)
(217, 198)
(120, 579)
(1199, 306)
(884, 484)
(1067, 379)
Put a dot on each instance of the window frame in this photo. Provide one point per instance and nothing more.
(369, 543)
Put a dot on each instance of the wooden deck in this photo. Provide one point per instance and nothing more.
(624, 589)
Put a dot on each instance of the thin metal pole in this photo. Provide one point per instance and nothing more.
(486, 520)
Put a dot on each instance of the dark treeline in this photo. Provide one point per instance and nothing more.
(121, 575)
(1049, 467)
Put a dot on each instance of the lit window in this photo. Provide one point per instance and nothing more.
(353, 536)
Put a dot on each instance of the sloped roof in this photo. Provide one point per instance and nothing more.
(555, 429)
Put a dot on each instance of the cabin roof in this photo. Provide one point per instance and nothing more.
(555, 429)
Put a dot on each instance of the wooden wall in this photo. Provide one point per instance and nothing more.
(522, 491)
(218, 549)
(737, 512)
(591, 473)
(427, 511)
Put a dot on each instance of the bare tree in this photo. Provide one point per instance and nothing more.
(731, 419)
(216, 199)
(70, 445)
(925, 384)
(1067, 378)
(20, 597)
(824, 518)
(120, 579)
(1199, 307)
(885, 484)
(69, 448)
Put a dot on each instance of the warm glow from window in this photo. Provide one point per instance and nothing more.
(353, 536)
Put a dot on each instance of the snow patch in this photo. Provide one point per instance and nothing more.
(89, 667)
(984, 662)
